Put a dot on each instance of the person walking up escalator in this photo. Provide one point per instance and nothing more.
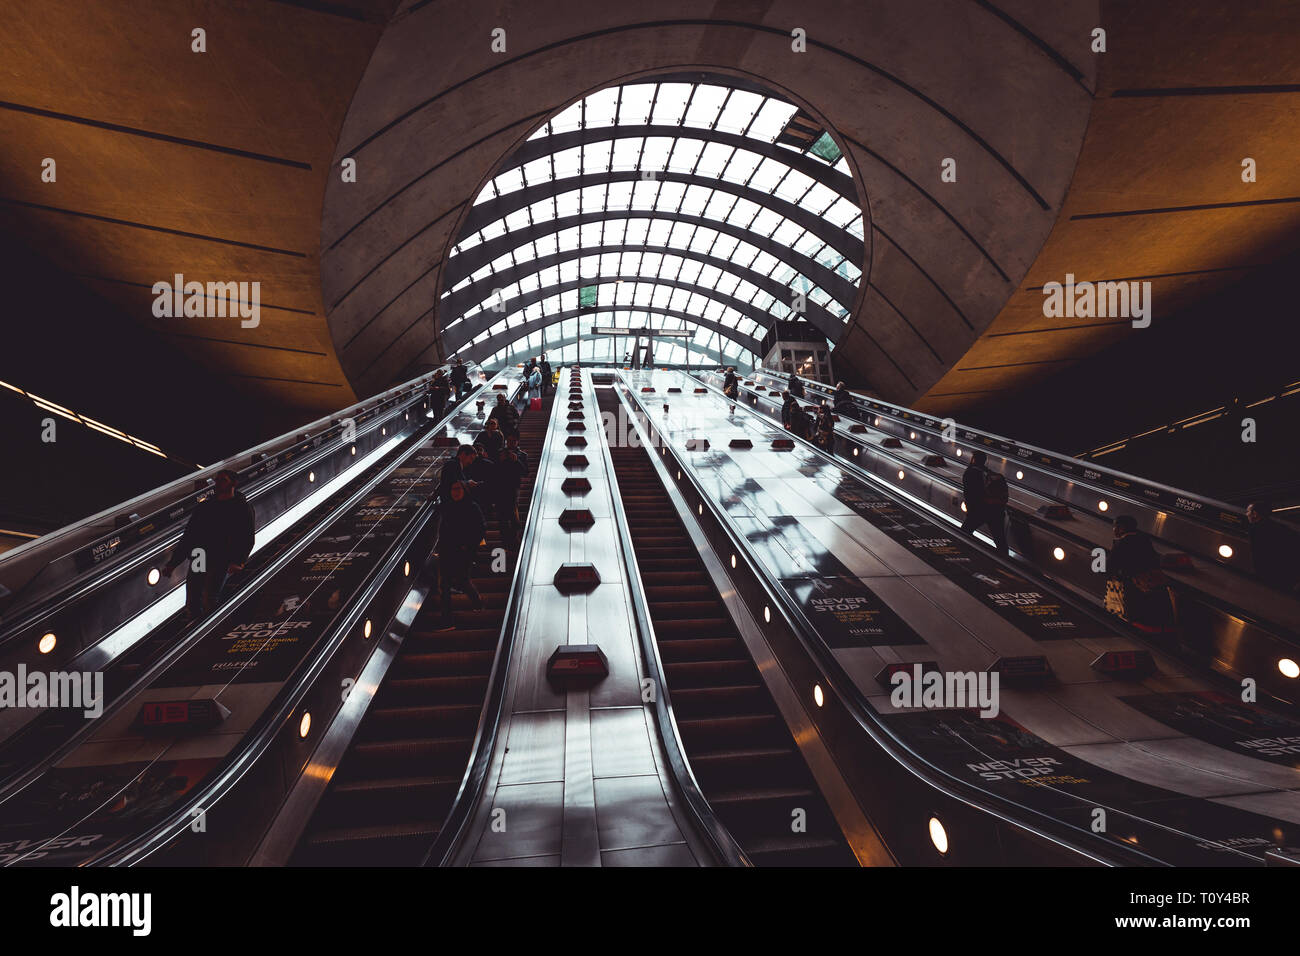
(842, 400)
(984, 506)
(460, 379)
(1136, 589)
(460, 532)
(217, 541)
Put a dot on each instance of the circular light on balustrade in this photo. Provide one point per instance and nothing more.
(406, 569)
(733, 560)
(366, 630)
(311, 476)
(767, 614)
(938, 835)
(1058, 553)
(153, 577)
(1103, 506)
(818, 697)
(855, 453)
(963, 506)
(900, 474)
(354, 449)
(699, 509)
(47, 643)
(383, 431)
(911, 434)
(1020, 476)
(1289, 668)
(304, 725)
(1225, 550)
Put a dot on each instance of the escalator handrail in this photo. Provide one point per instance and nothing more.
(983, 440)
(950, 482)
(165, 537)
(259, 738)
(170, 504)
(842, 686)
(164, 500)
(452, 833)
(244, 591)
(720, 840)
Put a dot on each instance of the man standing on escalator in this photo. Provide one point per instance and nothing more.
(460, 379)
(460, 532)
(216, 543)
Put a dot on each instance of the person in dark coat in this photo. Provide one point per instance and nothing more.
(979, 510)
(1272, 547)
(512, 444)
(460, 532)
(510, 472)
(1134, 562)
(482, 472)
(789, 409)
(439, 395)
(546, 375)
(492, 440)
(795, 387)
(730, 384)
(217, 542)
(506, 416)
(455, 470)
(825, 428)
(842, 400)
(460, 378)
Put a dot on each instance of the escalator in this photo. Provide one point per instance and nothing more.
(742, 754)
(396, 784)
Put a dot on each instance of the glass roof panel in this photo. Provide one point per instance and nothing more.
(816, 179)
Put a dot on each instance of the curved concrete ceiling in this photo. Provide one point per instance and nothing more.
(902, 87)
(224, 165)
(211, 165)
(1185, 93)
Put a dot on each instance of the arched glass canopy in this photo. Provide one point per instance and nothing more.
(696, 203)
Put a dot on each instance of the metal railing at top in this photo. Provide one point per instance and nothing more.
(1219, 515)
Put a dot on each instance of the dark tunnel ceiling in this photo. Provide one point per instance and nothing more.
(657, 170)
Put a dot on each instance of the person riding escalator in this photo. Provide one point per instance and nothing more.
(1136, 589)
(460, 533)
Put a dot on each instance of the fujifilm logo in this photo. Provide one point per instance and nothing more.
(1102, 300)
(75, 909)
(82, 691)
(216, 300)
(945, 689)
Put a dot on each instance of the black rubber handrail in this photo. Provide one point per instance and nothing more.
(325, 514)
(720, 839)
(851, 698)
(452, 832)
(918, 420)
